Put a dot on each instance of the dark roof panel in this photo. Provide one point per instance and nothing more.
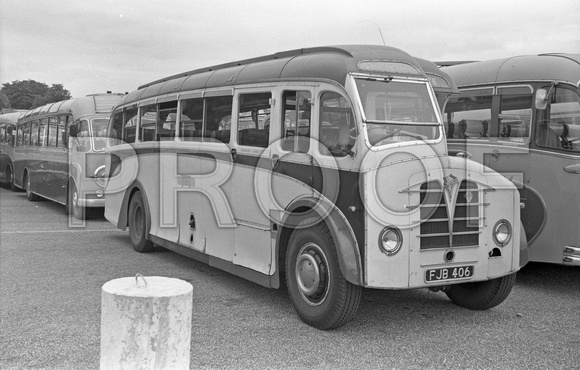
(545, 67)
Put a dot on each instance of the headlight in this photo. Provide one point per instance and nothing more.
(502, 232)
(390, 240)
(99, 176)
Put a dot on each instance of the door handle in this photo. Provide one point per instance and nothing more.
(234, 154)
(573, 168)
(275, 161)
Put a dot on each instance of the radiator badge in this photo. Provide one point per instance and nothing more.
(450, 182)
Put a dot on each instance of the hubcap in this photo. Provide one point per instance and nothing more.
(308, 274)
(312, 275)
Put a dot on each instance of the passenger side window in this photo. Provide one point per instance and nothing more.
(148, 123)
(21, 134)
(191, 120)
(166, 121)
(468, 116)
(62, 140)
(254, 119)
(218, 118)
(515, 116)
(52, 131)
(296, 108)
(34, 133)
(42, 132)
(337, 132)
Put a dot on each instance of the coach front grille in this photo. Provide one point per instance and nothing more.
(439, 228)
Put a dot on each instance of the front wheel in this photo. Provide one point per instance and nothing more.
(73, 203)
(482, 295)
(138, 228)
(321, 295)
(29, 195)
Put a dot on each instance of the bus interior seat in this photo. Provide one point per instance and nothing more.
(547, 137)
(223, 136)
(566, 142)
(450, 130)
(253, 137)
(462, 129)
(506, 130)
(484, 128)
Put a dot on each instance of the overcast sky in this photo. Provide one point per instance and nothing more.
(117, 45)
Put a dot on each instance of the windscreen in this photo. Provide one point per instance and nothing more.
(397, 111)
(99, 133)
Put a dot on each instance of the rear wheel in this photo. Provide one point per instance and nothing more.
(321, 295)
(138, 226)
(482, 295)
(29, 195)
(10, 179)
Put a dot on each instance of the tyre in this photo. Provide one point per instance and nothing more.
(29, 195)
(482, 295)
(321, 295)
(138, 226)
(73, 203)
(10, 179)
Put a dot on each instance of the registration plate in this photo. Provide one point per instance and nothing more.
(448, 273)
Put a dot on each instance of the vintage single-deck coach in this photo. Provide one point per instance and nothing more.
(7, 141)
(521, 117)
(60, 151)
(324, 169)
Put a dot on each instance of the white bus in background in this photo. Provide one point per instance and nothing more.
(7, 140)
(68, 169)
(324, 169)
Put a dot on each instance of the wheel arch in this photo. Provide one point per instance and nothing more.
(123, 221)
(347, 247)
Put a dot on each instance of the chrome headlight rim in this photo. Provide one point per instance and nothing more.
(502, 232)
(99, 175)
(390, 240)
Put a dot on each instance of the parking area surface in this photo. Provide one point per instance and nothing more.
(51, 276)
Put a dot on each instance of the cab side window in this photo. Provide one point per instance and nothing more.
(558, 126)
(336, 133)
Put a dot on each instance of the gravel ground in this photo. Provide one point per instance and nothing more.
(50, 289)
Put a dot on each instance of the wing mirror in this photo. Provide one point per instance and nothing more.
(541, 100)
(542, 96)
(73, 131)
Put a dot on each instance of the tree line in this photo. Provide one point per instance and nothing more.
(30, 94)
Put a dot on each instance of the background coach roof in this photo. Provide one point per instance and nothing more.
(543, 67)
(329, 62)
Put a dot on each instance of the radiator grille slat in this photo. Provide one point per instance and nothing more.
(435, 229)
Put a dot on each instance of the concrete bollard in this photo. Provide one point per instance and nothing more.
(146, 323)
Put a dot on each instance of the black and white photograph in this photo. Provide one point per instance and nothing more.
(289, 185)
